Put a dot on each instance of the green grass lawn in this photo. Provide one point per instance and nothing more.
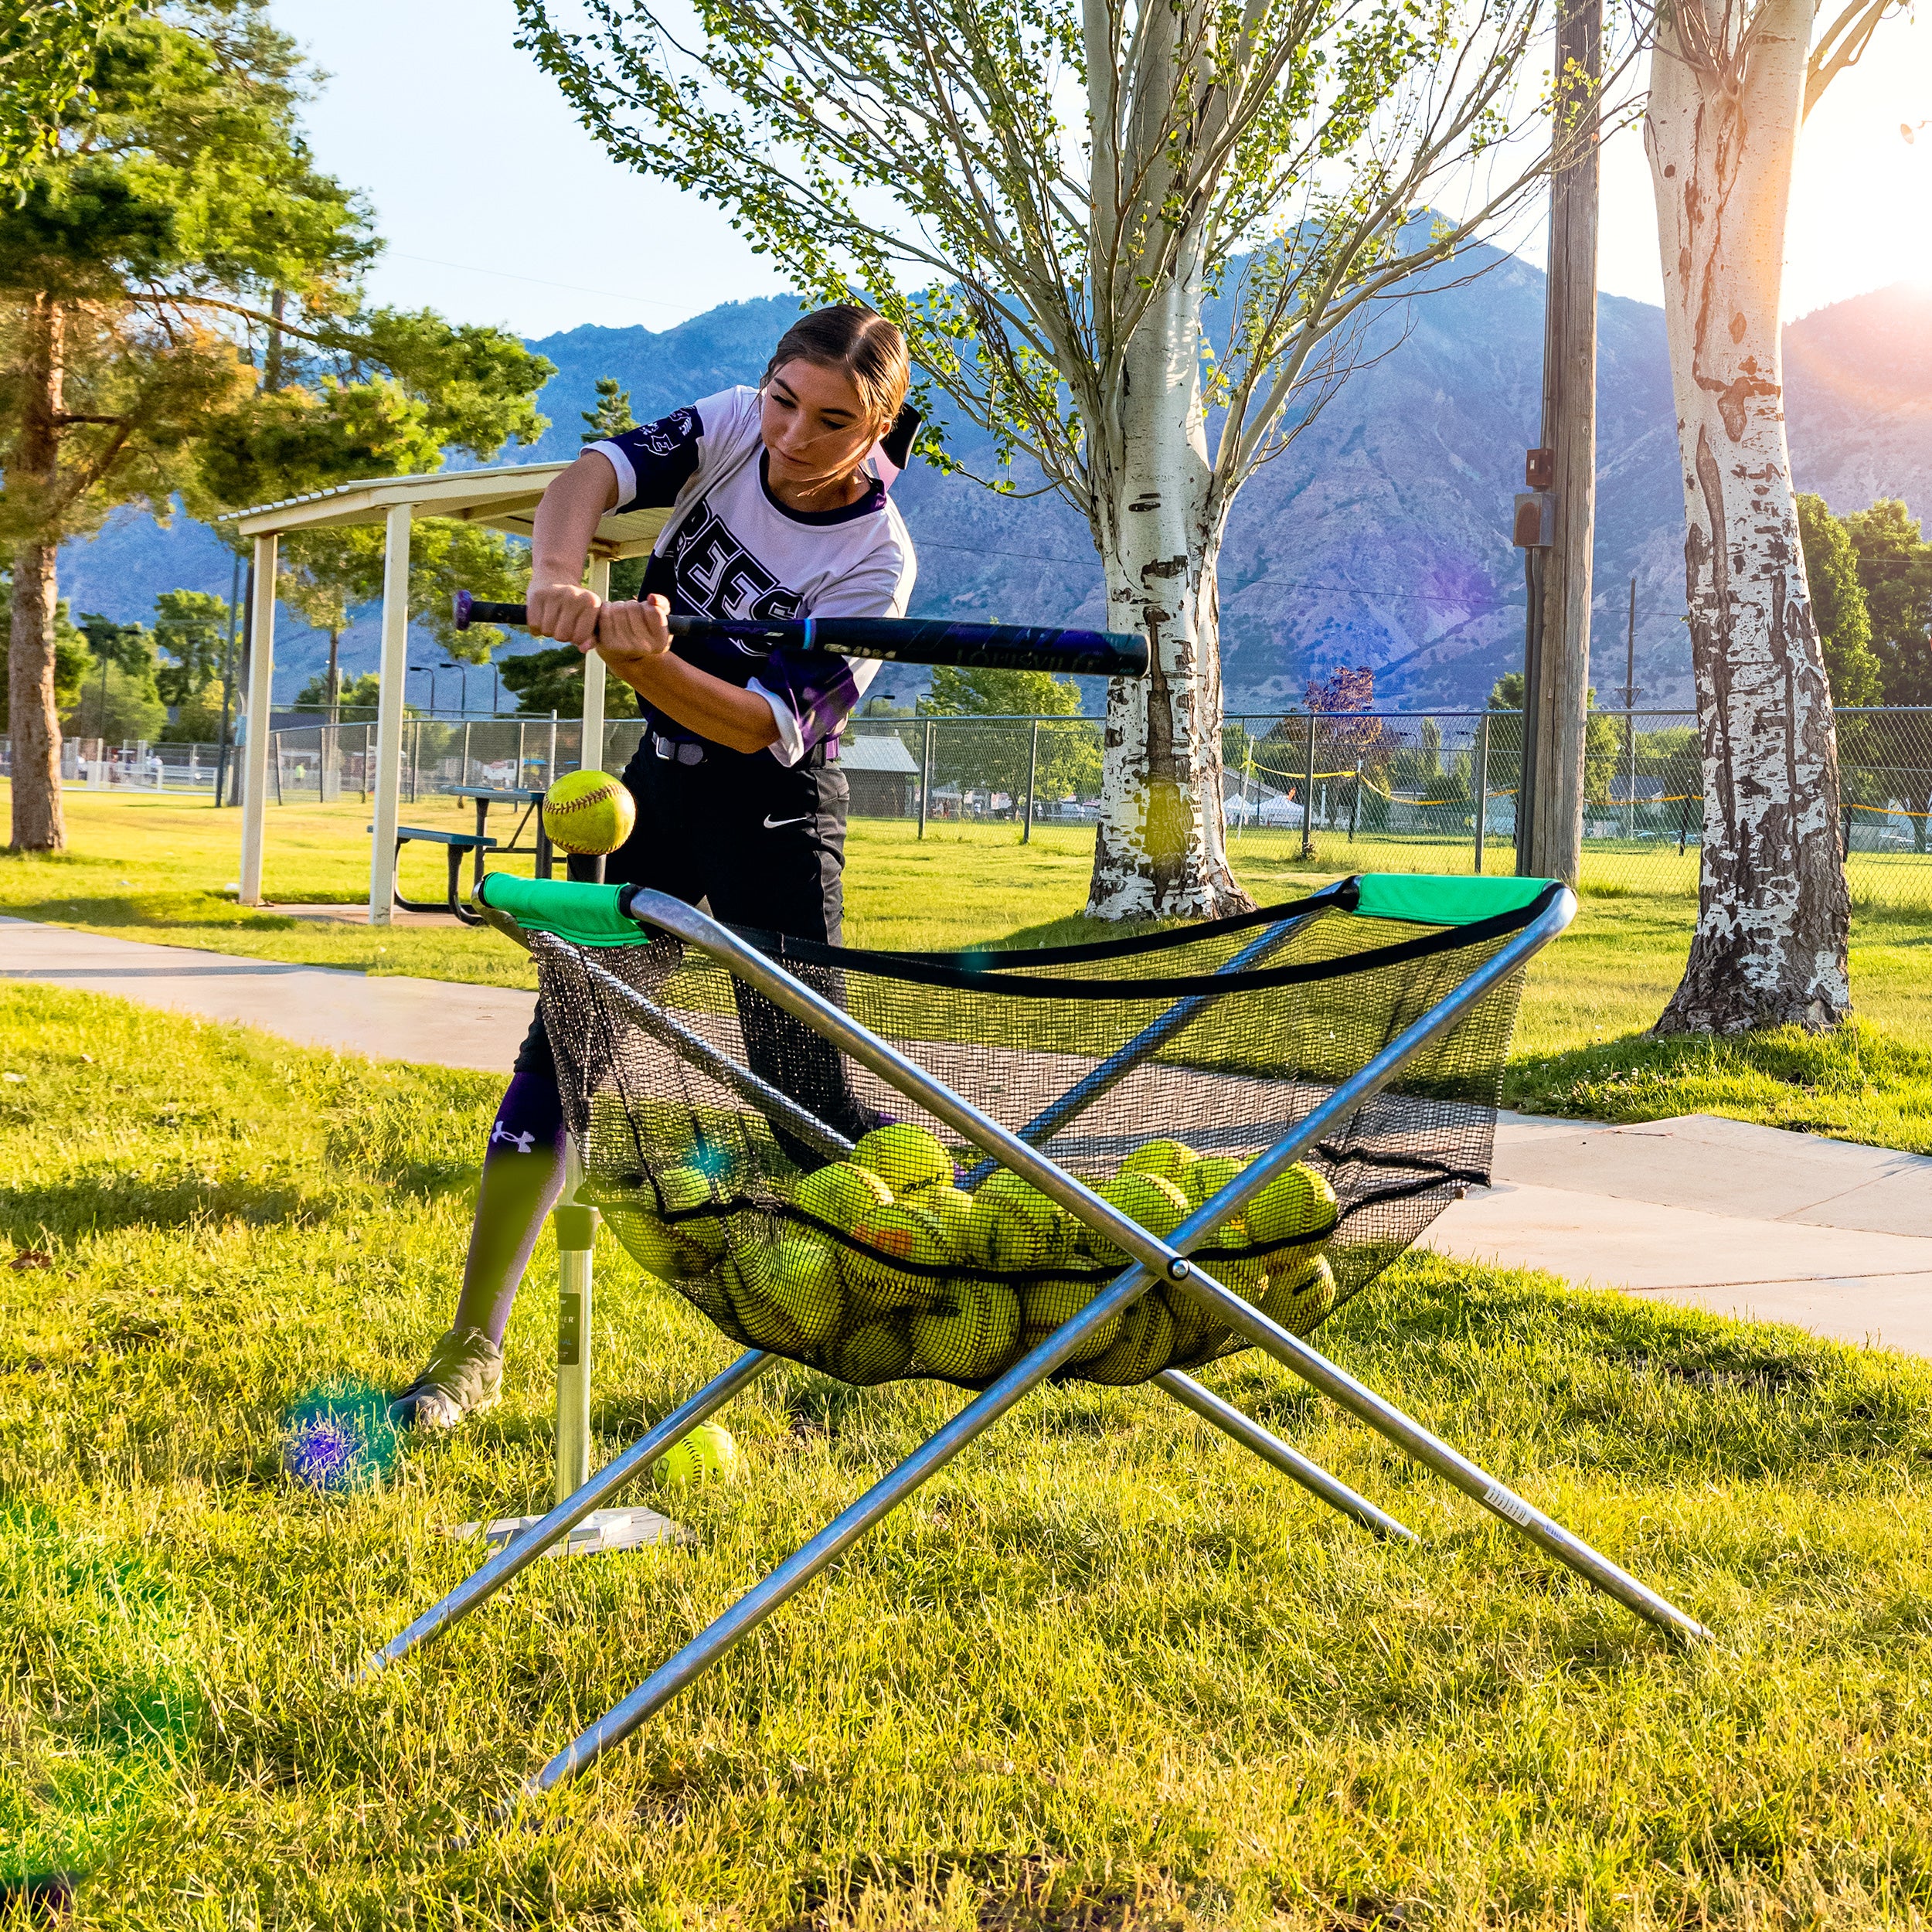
(1106, 1671)
(153, 867)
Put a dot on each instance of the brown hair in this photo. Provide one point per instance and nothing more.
(859, 341)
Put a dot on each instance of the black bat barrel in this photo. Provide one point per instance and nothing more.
(996, 647)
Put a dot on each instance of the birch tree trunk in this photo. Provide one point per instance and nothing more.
(1159, 851)
(1770, 947)
(33, 723)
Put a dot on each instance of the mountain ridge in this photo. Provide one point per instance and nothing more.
(1380, 535)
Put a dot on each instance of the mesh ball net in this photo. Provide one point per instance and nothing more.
(912, 1255)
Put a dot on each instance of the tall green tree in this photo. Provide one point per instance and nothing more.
(120, 698)
(71, 655)
(612, 415)
(190, 632)
(546, 681)
(1053, 199)
(997, 757)
(179, 315)
(1895, 571)
(47, 53)
(1838, 604)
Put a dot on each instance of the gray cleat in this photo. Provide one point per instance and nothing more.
(463, 1377)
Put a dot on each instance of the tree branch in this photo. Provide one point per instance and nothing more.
(1841, 45)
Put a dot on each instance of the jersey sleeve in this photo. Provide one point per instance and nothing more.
(811, 693)
(654, 461)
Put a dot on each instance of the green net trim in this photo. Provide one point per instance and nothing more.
(1420, 900)
(585, 915)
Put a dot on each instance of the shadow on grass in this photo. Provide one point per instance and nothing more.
(189, 911)
(1746, 1397)
(102, 1202)
(1809, 1080)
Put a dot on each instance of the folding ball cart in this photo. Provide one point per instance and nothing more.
(1337, 1059)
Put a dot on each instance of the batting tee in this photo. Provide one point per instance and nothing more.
(499, 499)
(1344, 1052)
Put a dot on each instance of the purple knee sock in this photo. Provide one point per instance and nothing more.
(522, 1176)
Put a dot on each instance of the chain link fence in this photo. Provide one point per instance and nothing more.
(1390, 791)
(1357, 791)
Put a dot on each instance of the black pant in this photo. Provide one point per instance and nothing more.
(764, 845)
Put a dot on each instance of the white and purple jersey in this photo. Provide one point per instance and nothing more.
(731, 550)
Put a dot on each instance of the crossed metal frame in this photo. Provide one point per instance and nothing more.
(1153, 1260)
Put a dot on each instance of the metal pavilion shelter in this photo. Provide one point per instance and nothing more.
(499, 499)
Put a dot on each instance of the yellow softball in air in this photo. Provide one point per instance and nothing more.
(589, 812)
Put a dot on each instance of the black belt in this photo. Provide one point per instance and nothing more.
(690, 751)
(684, 751)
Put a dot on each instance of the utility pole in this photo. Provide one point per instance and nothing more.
(1556, 522)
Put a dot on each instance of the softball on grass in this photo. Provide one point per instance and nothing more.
(1297, 1205)
(709, 1451)
(974, 1336)
(589, 812)
(1170, 1159)
(1299, 1299)
(906, 1157)
(841, 1195)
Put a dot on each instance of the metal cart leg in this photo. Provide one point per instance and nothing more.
(523, 1550)
(884, 1495)
(1291, 1461)
(1170, 1259)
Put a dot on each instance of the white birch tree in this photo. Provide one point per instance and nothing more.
(1047, 195)
(1731, 82)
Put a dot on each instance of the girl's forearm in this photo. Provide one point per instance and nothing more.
(567, 519)
(700, 702)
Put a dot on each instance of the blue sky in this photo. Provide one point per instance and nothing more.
(499, 208)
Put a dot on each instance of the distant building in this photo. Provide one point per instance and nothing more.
(883, 777)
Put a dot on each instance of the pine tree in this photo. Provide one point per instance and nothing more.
(1838, 603)
(612, 415)
(179, 317)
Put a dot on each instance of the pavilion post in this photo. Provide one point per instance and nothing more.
(590, 744)
(261, 679)
(389, 712)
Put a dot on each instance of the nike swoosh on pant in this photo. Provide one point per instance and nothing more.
(772, 824)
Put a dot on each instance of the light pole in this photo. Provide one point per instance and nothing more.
(463, 687)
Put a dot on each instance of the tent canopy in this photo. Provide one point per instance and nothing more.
(502, 499)
(498, 499)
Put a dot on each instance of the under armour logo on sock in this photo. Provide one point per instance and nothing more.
(523, 1143)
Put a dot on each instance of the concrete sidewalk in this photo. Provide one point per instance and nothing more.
(442, 1022)
(1717, 1213)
